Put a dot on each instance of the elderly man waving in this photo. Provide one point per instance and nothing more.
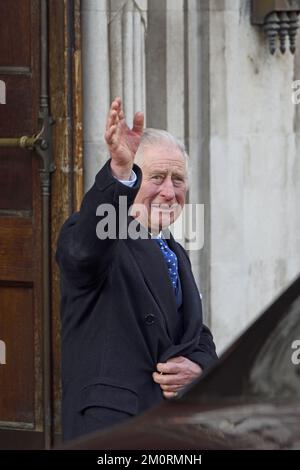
(132, 331)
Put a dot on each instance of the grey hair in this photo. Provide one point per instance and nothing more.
(157, 137)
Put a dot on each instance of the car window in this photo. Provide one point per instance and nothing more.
(276, 370)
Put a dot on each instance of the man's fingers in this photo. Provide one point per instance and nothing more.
(168, 379)
(110, 134)
(111, 119)
(176, 372)
(169, 395)
(169, 367)
(170, 388)
(117, 103)
(118, 100)
(115, 109)
(178, 359)
(138, 122)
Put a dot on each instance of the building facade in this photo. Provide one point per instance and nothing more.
(202, 71)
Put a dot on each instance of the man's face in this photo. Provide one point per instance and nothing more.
(163, 189)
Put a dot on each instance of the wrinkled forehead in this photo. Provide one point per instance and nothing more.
(164, 157)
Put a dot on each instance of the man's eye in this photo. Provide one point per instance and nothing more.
(157, 177)
(178, 181)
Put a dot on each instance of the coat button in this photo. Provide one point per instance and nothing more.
(149, 319)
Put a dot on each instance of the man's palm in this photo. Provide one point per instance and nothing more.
(122, 141)
(127, 140)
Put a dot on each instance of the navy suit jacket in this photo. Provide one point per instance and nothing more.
(119, 316)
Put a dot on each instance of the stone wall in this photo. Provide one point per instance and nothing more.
(201, 70)
(254, 170)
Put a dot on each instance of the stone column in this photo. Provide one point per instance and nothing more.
(113, 36)
(95, 67)
(197, 137)
(127, 28)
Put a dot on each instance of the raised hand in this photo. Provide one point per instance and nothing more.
(122, 141)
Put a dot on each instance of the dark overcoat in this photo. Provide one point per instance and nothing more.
(119, 315)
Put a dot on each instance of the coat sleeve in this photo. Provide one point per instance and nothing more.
(205, 354)
(82, 255)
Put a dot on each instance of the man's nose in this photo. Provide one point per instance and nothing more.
(167, 189)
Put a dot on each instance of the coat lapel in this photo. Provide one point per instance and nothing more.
(151, 262)
(191, 306)
(153, 266)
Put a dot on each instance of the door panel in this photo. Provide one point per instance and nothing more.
(16, 325)
(21, 405)
(16, 115)
(15, 46)
(18, 175)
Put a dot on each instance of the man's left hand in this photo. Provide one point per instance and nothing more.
(175, 374)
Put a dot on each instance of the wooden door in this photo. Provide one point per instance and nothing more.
(21, 369)
(30, 392)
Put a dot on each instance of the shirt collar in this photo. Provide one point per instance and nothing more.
(160, 235)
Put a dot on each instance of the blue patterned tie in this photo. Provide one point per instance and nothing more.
(171, 260)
